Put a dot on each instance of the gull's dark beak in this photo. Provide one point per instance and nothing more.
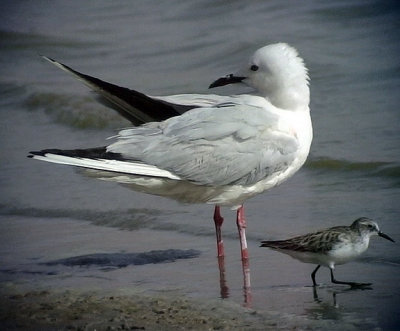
(380, 234)
(229, 79)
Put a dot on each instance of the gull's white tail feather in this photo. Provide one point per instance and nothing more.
(126, 167)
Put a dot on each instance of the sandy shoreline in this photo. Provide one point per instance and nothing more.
(37, 296)
(80, 310)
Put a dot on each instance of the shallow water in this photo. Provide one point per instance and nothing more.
(351, 49)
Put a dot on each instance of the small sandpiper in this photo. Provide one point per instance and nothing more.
(337, 245)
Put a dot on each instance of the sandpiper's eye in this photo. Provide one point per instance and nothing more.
(254, 67)
(370, 226)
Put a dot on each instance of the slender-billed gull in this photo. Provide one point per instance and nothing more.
(214, 149)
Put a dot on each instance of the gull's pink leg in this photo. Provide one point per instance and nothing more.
(246, 283)
(218, 220)
(241, 224)
(224, 290)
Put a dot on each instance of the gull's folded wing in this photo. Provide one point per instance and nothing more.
(137, 107)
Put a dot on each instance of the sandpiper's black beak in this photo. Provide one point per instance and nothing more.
(380, 234)
(229, 79)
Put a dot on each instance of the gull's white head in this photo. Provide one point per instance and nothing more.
(278, 73)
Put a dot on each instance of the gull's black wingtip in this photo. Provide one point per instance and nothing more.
(90, 153)
(32, 154)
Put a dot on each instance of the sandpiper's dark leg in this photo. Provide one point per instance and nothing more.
(315, 295)
(313, 275)
(352, 284)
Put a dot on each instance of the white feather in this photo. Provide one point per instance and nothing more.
(139, 169)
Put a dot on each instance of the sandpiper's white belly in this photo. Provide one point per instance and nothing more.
(345, 252)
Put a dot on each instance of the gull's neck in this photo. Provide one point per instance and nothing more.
(295, 97)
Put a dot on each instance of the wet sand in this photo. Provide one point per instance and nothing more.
(72, 310)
